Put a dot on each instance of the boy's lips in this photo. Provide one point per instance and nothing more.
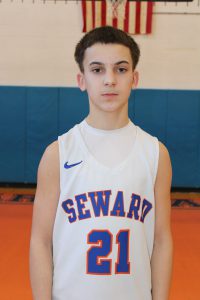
(109, 94)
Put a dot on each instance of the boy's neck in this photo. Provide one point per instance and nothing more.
(107, 121)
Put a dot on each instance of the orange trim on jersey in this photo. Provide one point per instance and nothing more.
(135, 205)
(85, 210)
(99, 244)
(119, 251)
(96, 198)
(118, 211)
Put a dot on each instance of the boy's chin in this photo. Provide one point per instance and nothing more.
(112, 107)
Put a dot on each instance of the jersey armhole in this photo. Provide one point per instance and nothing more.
(60, 159)
(157, 150)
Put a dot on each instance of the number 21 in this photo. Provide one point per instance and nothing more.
(102, 242)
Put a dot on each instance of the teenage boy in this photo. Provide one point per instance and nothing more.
(101, 221)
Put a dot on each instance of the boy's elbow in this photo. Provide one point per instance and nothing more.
(40, 244)
(164, 240)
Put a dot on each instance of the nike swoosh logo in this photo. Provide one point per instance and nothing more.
(67, 166)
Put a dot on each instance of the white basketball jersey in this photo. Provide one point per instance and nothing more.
(104, 227)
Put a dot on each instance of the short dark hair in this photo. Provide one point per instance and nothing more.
(106, 35)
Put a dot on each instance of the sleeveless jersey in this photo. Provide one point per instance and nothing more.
(104, 226)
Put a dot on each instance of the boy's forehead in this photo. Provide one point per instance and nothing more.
(107, 53)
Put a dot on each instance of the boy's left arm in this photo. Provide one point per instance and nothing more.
(161, 261)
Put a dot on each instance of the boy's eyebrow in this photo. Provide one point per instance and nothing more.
(122, 62)
(117, 63)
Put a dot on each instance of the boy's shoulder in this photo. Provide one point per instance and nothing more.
(145, 134)
(153, 139)
(146, 139)
(52, 148)
(48, 169)
(68, 132)
(51, 152)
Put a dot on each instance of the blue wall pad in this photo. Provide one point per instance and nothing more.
(33, 117)
(13, 136)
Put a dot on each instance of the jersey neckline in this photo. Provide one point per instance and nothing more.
(85, 149)
(103, 132)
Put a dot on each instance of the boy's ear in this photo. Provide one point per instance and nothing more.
(81, 81)
(135, 79)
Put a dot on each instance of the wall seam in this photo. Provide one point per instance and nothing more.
(26, 137)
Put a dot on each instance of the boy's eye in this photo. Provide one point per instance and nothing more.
(97, 70)
(122, 70)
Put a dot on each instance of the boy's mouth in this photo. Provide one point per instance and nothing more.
(109, 94)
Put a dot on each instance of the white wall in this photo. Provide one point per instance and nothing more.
(37, 42)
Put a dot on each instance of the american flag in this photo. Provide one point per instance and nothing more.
(137, 18)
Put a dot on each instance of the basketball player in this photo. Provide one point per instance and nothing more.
(101, 220)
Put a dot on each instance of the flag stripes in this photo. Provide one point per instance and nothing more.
(137, 17)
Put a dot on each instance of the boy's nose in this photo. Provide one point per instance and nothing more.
(109, 78)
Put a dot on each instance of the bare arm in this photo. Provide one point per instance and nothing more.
(45, 205)
(161, 262)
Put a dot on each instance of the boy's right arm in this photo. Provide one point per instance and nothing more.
(45, 206)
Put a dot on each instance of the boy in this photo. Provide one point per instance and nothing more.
(101, 221)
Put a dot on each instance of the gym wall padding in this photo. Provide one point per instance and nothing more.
(33, 117)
